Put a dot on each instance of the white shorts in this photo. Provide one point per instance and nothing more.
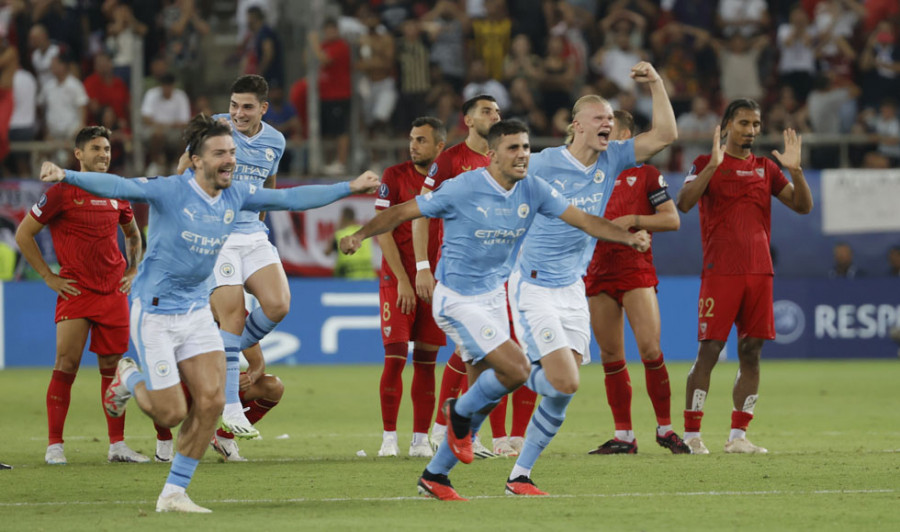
(547, 319)
(164, 340)
(476, 324)
(242, 256)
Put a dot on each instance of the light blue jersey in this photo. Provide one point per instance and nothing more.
(188, 228)
(484, 226)
(257, 159)
(555, 253)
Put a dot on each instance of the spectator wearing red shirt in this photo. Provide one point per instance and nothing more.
(333, 54)
(105, 89)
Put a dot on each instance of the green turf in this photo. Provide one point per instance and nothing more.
(831, 428)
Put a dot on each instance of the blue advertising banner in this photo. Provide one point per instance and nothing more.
(337, 322)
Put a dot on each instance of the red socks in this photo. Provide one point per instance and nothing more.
(692, 419)
(740, 420)
(523, 407)
(618, 393)
(59, 394)
(451, 382)
(422, 389)
(115, 426)
(391, 386)
(498, 419)
(657, 378)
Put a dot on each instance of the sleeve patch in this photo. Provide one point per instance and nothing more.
(433, 170)
(383, 191)
(659, 196)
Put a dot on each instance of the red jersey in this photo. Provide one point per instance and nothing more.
(84, 228)
(401, 183)
(736, 214)
(638, 190)
(334, 77)
(114, 94)
(452, 162)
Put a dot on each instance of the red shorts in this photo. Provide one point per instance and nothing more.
(616, 287)
(744, 300)
(397, 327)
(108, 314)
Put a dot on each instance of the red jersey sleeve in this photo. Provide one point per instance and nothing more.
(442, 169)
(125, 212)
(387, 191)
(778, 180)
(50, 205)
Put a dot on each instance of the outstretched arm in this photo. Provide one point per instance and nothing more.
(663, 130)
(308, 196)
(665, 219)
(385, 221)
(103, 185)
(604, 229)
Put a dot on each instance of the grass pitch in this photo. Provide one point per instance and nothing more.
(831, 429)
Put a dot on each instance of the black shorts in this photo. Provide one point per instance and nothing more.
(335, 118)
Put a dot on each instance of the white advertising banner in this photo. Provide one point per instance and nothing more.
(860, 201)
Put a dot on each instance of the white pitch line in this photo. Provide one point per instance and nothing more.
(479, 497)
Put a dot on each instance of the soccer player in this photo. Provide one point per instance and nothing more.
(172, 326)
(405, 317)
(480, 113)
(486, 214)
(546, 290)
(733, 187)
(248, 259)
(619, 279)
(92, 286)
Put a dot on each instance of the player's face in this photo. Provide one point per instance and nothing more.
(422, 147)
(216, 161)
(246, 112)
(482, 116)
(595, 123)
(743, 129)
(511, 156)
(95, 155)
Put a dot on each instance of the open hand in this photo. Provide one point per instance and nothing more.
(793, 143)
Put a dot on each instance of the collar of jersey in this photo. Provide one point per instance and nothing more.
(496, 186)
(199, 190)
(576, 163)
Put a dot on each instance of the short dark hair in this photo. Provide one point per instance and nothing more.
(470, 103)
(734, 106)
(90, 133)
(438, 130)
(167, 79)
(257, 12)
(624, 120)
(504, 128)
(201, 128)
(251, 83)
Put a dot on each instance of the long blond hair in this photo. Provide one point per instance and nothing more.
(588, 99)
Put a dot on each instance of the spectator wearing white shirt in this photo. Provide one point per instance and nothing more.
(694, 130)
(42, 52)
(165, 110)
(797, 43)
(746, 17)
(23, 124)
(64, 102)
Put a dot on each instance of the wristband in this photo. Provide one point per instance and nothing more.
(423, 265)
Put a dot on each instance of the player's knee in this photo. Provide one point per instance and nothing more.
(66, 364)
(278, 308)
(567, 385)
(209, 403)
(273, 388)
(519, 373)
(608, 356)
(649, 351)
(171, 415)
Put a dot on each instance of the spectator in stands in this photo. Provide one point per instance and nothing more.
(694, 131)
(446, 26)
(481, 83)
(333, 53)
(119, 138)
(104, 89)
(521, 63)
(165, 111)
(880, 65)
(491, 37)
(746, 17)
(9, 64)
(557, 77)
(787, 112)
(64, 102)
(524, 107)
(122, 33)
(529, 17)
(42, 53)
(615, 59)
(878, 11)
(414, 74)
(265, 55)
(184, 30)
(695, 13)
(739, 66)
(681, 48)
(377, 85)
(885, 124)
(796, 43)
(894, 262)
(23, 126)
(843, 263)
(831, 107)
(282, 116)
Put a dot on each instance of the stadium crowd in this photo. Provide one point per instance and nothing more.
(802, 60)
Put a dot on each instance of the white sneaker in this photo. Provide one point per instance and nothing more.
(226, 447)
(422, 449)
(743, 446)
(117, 394)
(55, 455)
(517, 443)
(235, 422)
(119, 452)
(389, 446)
(696, 445)
(438, 433)
(165, 451)
(179, 502)
(479, 450)
(502, 447)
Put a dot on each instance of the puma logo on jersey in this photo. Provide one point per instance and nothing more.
(482, 210)
(190, 214)
(562, 184)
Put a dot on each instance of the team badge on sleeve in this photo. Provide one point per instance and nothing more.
(433, 170)
(37, 208)
(383, 190)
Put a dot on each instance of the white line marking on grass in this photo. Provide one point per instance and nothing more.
(420, 498)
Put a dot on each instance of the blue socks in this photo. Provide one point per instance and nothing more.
(485, 391)
(132, 380)
(182, 470)
(256, 327)
(232, 367)
(546, 420)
